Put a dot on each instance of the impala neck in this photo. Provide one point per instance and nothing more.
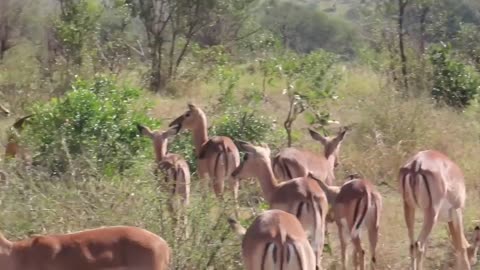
(331, 162)
(200, 135)
(330, 191)
(161, 149)
(267, 179)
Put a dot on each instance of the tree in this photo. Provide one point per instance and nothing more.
(9, 24)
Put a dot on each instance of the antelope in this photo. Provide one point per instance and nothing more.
(217, 156)
(174, 166)
(13, 149)
(275, 240)
(292, 162)
(356, 205)
(433, 183)
(301, 196)
(118, 247)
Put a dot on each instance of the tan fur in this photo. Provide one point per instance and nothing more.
(301, 196)
(433, 183)
(275, 240)
(217, 156)
(293, 162)
(120, 247)
(174, 167)
(356, 205)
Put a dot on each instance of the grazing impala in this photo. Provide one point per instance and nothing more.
(301, 196)
(13, 149)
(174, 166)
(120, 247)
(433, 183)
(275, 240)
(217, 156)
(291, 162)
(356, 204)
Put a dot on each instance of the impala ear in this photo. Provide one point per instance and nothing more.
(172, 131)
(341, 134)
(145, 131)
(316, 136)
(5, 245)
(191, 106)
(245, 146)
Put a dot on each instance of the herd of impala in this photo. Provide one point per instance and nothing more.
(299, 187)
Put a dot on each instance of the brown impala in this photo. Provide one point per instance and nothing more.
(13, 149)
(433, 183)
(292, 162)
(174, 166)
(356, 204)
(275, 240)
(301, 196)
(121, 247)
(217, 156)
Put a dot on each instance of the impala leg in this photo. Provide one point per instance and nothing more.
(430, 218)
(459, 242)
(235, 185)
(359, 254)
(409, 213)
(343, 244)
(373, 239)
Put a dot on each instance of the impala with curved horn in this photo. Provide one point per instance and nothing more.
(4, 110)
(356, 205)
(433, 183)
(217, 156)
(301, 196)
(275, 240)
(118, 247)
(174, 166)
(292, 162)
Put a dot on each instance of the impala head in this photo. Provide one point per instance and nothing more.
(254, 158)
(159, 138)
(189, 120)
(331, 145)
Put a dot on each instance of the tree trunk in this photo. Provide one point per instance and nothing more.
(402, 4)
(157, 81)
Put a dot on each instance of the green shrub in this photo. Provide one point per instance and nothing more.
(454, 82)
(94, 122)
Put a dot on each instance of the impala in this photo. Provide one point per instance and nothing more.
(119, 247)
(301, 196)
(174, 166)
(217, 156)
(433, 183)
(13, 149)
(356, 205)
(275, 240)
(292, 162)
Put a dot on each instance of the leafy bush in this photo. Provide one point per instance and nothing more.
(95, 121)
(454, 82)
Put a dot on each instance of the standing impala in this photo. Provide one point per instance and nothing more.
(119, 247)
(217, 156)
(174, 166)
(275, 240)
(356, 204)
(301, 196)
(292, 162)
(433, 183)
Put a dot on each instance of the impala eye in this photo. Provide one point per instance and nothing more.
(187, 114)
(245, 157)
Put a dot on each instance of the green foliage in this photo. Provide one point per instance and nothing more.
(305, 29)
(95, 121)
(454, 82)
(77, 23)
